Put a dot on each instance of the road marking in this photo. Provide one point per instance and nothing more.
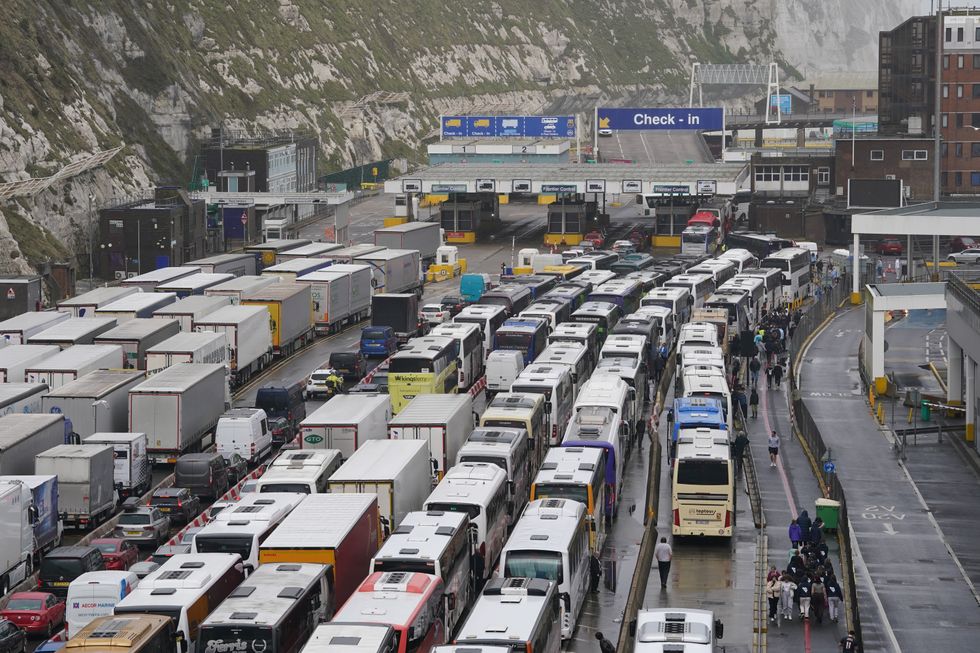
(882, 512)
(890, 530)
(779, 459)
(643, 140)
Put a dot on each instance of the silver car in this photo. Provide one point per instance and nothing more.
(971, 255)
(142, 525)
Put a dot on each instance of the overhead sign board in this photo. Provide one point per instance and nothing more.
(486, 186)
(508, 126)
(782, 102)
(595, 185)
(521, 186)
(559, 188)
(448, 188)
(707, 187)
(661, 119)
(411, 185)
(671, 189)
(632, 186)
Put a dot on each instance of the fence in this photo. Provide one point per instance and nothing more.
(817, 451)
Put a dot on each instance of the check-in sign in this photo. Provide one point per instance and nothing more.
(661, 119)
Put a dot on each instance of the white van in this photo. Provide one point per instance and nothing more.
(95, 594)
(244, 431)
(503, 368)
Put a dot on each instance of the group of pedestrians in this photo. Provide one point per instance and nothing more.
(807, 584)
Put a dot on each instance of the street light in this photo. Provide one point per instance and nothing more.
(91, 233)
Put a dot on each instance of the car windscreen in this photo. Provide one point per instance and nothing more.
(55, 568)
(134, 519)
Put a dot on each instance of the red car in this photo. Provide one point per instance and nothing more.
(119, 554)
(960, 243)
(890, 247)
(35, 612)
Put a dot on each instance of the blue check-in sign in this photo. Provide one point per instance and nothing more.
(661, 119)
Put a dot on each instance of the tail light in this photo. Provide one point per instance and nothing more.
(677, 517)
(180, 503)
(728, 519)
(554, 431)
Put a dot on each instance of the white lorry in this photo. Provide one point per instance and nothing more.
(17, 514)
(346, 422)
(443, 421)
(131, 472)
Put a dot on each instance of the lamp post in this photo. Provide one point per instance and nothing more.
(91, 234)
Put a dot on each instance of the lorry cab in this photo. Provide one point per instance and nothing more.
(378, 341)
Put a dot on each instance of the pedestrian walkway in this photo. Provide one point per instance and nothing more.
(786, 490)
(912, 593)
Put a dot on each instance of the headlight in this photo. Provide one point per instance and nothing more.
(34, 617)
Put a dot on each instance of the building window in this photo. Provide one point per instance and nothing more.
(877, 155)
(923, 155)
(976, 57)
(959, 61)
(975, 119)
(945, 121)
(944, 179)
(975, 150)
(959, 120)
(796, 173)
(959, 90)
(823, 176)
(949, 34)
(958, 179)
(945, 90)
(945, 62)
(944, 150)
(869, 94)
(766, 173)
(976, 33)
(958, 150)
(959, 34)
(975, 178)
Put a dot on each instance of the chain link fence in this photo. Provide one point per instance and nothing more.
(817, 451)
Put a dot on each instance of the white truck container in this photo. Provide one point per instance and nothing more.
(84, 305)
(249, 338)
(421, 236)
(395, 270)
(98, 401)
(443, 421)
(73, 331)
(346, 422)
(237, 265)
(48, 528)
(397, 471)
(74, 362)
(199, 347)
(313, 250)
(21, 397)
(86, 495)
(290, 307)
(17, 513)
(189, 309)
(133, 306)
(149, 281)
(136, 336)
(235, 288)
(177, 408)
(290, 269)
(348, 254)
(341, 295)
(131, 472)
(15, 359)
(17, 330)
(24, 436)
(194, 284)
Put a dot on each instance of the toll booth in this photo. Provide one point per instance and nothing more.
(569, 220)
(466, 216)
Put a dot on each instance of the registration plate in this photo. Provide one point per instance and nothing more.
(138, 533)
(163, 509)
(61, 583)
(702, 521)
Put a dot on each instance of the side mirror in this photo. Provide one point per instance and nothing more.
(719, 629)
(547, 406)
(32, 515)
(452, 602)
(181, 643)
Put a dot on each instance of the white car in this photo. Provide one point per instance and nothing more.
(605, 131)
(317, 384)
(435, 314)
(971, 255)
(623, 247)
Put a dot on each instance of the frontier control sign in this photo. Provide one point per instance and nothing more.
(682, 118)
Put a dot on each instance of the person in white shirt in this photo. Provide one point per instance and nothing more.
(773, 448)
(663, 555)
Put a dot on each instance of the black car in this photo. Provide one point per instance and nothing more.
(12, 638)
(349, 364)
(453, 303)
(237, 467)
(178, 503)
(281, 431)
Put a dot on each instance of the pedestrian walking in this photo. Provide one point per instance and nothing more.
(503, 268)
(834, 597)
(804, 596)
(787, 590)
(754, 367)
(773, 573)
(777, 374)
(658, 369)
(849, 644)
(815, 536)
(769, 374)
(804, 521)
(736, 368)
(818, 594)
(663, 555)
(773, 448)
(605, 646)
(595, 573)
(738, 451)
(743, 403)
(754, 402)
(795, 534)
(773, 590)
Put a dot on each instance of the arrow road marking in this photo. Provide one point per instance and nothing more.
(890, 530)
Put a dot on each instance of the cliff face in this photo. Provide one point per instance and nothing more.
(78, 76)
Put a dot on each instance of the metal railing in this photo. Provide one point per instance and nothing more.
(816, 449)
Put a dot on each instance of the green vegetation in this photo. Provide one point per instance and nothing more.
(36, 243)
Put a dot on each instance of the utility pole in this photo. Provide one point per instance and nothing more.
(91, 237)
(937, 135)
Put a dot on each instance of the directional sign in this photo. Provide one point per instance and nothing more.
(558, 188)
(829, 467)
(661, 119)
(508, 126)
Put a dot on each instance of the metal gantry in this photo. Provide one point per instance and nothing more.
(737, 74)
(33, 186)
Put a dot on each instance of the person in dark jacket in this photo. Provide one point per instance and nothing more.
(834, 597)
(815, 536)
(754, 367)
(795, 534)
(804, 521)
(804, 596)
(605, 646)
(754, 402)
(738, 452)
(595, 573)
(777, 374)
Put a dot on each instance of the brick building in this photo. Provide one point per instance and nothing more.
(841, 92)
(886, 157)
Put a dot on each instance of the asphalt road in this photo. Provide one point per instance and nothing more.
(653, 147)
